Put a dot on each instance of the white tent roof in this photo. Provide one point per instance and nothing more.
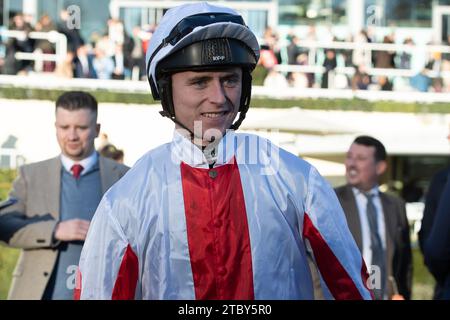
(331, 132)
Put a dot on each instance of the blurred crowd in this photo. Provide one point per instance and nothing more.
(116, 54)
(113, 54)
(432, 76)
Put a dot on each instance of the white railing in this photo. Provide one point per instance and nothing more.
(407, 73)
(59, 39)
(367, 49)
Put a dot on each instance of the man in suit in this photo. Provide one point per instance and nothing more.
(433, 198)
(50, 206)
(436, 246)
(377, 220)
(83, 64)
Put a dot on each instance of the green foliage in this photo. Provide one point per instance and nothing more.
(258, 75)
(8, 256)
(6, 179)
(423, 281)
(8, 259)
(352, 105)
(100, 95)
(313, 104)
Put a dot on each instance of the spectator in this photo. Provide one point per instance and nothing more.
(271, 39)
(275, 79)
(302, 60)
(385, 84)
(119, 63)
(116, 32)
(64, 69)
(421, 81)
(137, 55)
(330, 64)
(102, 141)
(110, 151)
(446, 55)
(22, 44)
(385, 59)
(299, 80)
(293, 51)
(268, 59)
(127, 49)
(434, 197)
(377, 220)
(84, 64)
(103, 64)
(361, 56)
(405, 57)
(64, 26)
(45, 24)
(436, 247)
(50, 206)
(360, 79)
(437, 84)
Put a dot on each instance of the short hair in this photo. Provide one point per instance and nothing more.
(76, 100)
(368, 141)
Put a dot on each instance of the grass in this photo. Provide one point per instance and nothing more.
(8, 256)
(6, 179)
(423, 281)
(8, 259)
(256, 102)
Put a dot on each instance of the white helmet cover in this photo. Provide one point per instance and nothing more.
(158, 49)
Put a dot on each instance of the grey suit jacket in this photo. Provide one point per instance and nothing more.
(28, 219)
(398, 247)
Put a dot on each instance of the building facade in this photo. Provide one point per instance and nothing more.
(425, 20)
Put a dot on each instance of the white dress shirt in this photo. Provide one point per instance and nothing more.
(361, 202)
(87, 163)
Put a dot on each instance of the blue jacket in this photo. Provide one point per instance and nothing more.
(437, 245)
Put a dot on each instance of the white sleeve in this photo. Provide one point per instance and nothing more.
(108, 266)
(334, 250)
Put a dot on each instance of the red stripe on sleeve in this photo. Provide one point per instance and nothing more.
(125, 286)
(336, 277)
(365, 277)
(217, 232)
(77, 290)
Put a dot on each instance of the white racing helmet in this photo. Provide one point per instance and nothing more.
(199, 37)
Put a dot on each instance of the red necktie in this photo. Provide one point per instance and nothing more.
(76, 170)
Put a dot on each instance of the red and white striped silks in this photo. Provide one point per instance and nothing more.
(173, 228)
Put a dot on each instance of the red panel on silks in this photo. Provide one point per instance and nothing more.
(217, 231)
(126, 281)
(329, 266)
(77, 290)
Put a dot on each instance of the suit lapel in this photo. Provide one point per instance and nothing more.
(52, 185)
(390, 226)
(351, 211)
(52, 181)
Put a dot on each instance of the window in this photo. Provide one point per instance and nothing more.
(303, 12)
(400, 13)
